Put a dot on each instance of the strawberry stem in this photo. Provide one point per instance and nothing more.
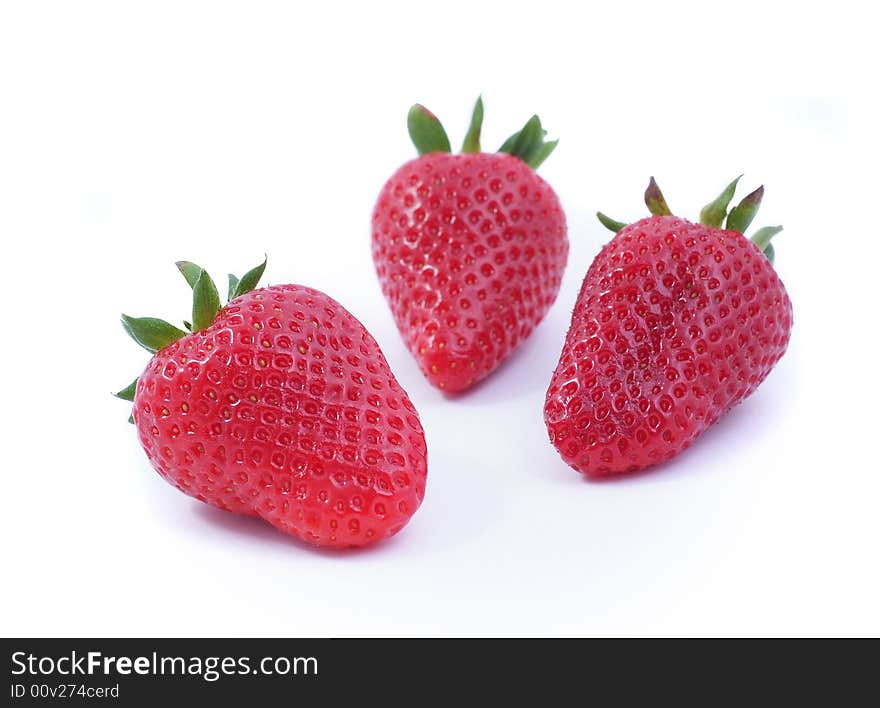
(761, 238)
(233, 284)
(472, 139)
(127, 394)
(151, 333)
(206, 302)
(154, 334)
(714, 213)
(206, 299)
(249, 280)
(610, 223)
(426, 131)
(190, 271)
(655, 201)
(529, 145)
(742, 214)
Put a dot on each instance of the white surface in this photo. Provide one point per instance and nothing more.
(132, 135)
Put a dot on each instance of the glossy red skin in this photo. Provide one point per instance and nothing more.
(285, 408)
(470, 251)
(675, 324)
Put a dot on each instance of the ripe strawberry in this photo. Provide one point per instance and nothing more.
(675, 324)
(279, 405)
(469, 249)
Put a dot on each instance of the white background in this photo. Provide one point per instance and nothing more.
(136, 134)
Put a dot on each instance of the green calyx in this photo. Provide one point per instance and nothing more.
(426, 131)
(741, 216)
(655, 201)
(206, 302)
(610, 223)
(154, 334)
(151, 333)
(127, 394)
(714, 214)
(472, 138)
(528, 144)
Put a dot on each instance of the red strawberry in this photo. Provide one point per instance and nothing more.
(675, 324)
(469, 249)
(279, 405)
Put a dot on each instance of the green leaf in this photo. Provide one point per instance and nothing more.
(426, 131)
(233, 284)
(529, 137)
(250, 279)
(190, 271)
(151, 333)
(542, 153)
(714, 212)
(610, 223)
(770, 252)
(131, 419)
(508, 144)
(521, 143)
(206, 302)
(472, 139)
(655, 200)
(742, 214)
(761, 237)
(127, 394)
(528, 144)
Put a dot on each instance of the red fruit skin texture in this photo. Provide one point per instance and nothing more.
(675, 324)
(470, 251)
(285, 408)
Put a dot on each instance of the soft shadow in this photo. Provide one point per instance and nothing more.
(255, 528)
(464, 499)
(753, 419)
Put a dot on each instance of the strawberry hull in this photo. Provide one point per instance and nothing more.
(469, 250)
(285, 408)
(675, 324)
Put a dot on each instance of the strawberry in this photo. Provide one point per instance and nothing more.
(469, 248)
(279, 405)
(675, 324)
